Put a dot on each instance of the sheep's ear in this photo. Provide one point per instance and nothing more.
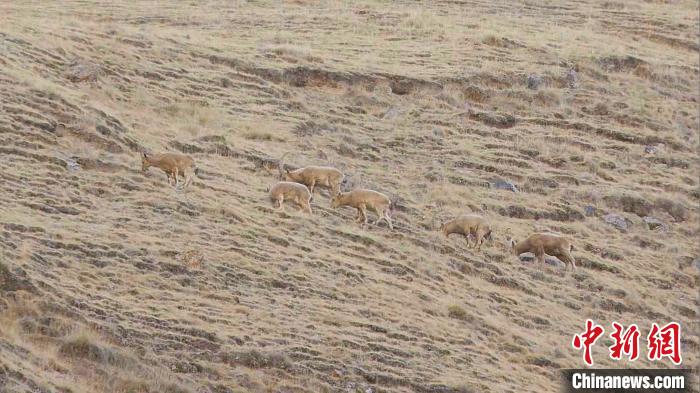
(512, 242)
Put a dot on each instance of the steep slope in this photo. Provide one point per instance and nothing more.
(588, 109)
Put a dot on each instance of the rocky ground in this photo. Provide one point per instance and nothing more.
(576, 117)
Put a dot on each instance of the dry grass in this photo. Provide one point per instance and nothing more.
(113, 282)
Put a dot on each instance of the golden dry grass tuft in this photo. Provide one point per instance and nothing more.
(111, 281)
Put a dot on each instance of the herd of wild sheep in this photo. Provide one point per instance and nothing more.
(297, 186)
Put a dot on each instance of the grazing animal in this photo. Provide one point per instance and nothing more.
(363, 200)
(173, 164)
(546, 243)
(469, 225)
(295, 192)
(312, 176)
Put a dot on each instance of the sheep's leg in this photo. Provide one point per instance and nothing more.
(566, 257)
(380, 216)
(469, 244)
(280, 199)
(388, 219)
(311, 188)
(539, 254)
(304, 206)
(177, 179)
(188, 178)
(480, 238)
(363, 210)
(358, 216)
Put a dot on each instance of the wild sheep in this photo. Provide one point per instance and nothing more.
(312, 176)
(469, 225)
(546, 243)
(364, 199)
(173, 164)
(295, 192)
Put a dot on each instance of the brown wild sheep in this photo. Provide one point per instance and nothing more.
(312, 176)
(173, 164)
(546, 243)
(469, 225)
(295, 192)
(363, 200)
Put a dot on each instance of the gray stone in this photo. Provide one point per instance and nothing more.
(534, 82)
(72, 165)
(505, 185)
(650, 149)
(616, 220)
(572, 78)
(346, 150)
(81, 71)
(590, 210)
(654, 223)
(529, 257)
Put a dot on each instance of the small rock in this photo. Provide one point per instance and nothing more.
(600, 109)
(505, 185)
(226, 83)
(529, 257)
(654, 223)
(433, 176)
(392, 113)
(554, 262)
(401, 87)
(590, 210)
(572, 78)
(534, 82)
(72, 165)
(616, 220)
(651, 149)
(80, 70)
(346, 150)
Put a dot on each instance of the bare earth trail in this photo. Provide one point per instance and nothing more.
(588, 108)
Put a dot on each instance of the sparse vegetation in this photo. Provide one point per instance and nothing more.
(541, 116)
(457, 312)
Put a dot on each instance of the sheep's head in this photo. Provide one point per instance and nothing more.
(488, 236)
(280, 168)
(335, 201)
(286, 175)
(145, 162)
(512, 244)
(443, 229)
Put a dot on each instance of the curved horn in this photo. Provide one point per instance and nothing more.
(280, 164)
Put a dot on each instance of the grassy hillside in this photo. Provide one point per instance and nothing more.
(588, 108)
